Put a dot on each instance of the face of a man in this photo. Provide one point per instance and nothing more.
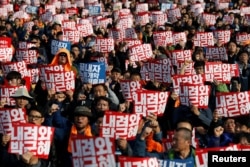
(230, 126)
(199, 70)
(135, 78)
(35, 117)
(179, 142)
(81, 122)
(14, 82)
(115, 76)
(184, 125)
(21, 102)
(244, 58)
(102, 105)
(62, 59)
(99, 91)
(232, 47)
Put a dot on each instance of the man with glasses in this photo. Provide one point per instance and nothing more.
(35, 116)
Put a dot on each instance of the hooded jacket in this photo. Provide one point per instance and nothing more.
(68, 65)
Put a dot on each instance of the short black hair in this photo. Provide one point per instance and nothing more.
(187, 133)
(186, 121)
(242, 52)
(37, 109)
(103, 85)
(199, 64)
(104, 98)
(13, 75)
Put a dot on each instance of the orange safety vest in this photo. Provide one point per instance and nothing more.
(73, 132)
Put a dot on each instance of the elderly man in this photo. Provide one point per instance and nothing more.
(22, 98)
(182, 148)
(65, 130)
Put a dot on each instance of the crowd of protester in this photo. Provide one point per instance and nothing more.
(80, 112)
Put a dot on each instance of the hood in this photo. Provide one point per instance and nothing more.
(68, 65)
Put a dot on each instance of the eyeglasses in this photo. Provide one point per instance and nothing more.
(35, 117)
(63, 54)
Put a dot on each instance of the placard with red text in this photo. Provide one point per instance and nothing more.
(233, 104)
(140, 52)
(129, 33)
(119, 125)
(116, 34)
(43, 69)
(15, 66)
(163, 38)
(6, 93)
(8, 116)
(141, 7)
(124, 23)
(29, 56)
(159, 18)
(131, 42)
(29, 137)
(129, 88)
(179, 37)
(191, 79)
(189, 67)
(25, 45)
(180, 55)
(137, 161)
(194, 95)
(203, 39)
(242, 37)
(104, 45)
(222, 36)
(67, 24)
(103, 22)
(72, 36)
(214, 53)
(160, 70)
(220, 71)
(93, 151)
(174, 15)
(146, 102)
(6, 51)
(208, 19)
(60, 81)
(142, 18)
(85, 29)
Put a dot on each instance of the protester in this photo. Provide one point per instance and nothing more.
(22, 98)
(35, 116)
